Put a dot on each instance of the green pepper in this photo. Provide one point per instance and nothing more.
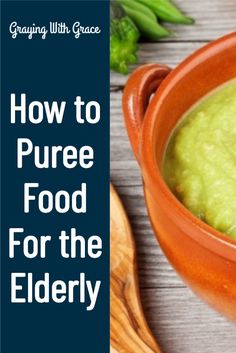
(124, 36)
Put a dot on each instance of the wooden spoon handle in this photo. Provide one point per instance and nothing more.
(129, 330)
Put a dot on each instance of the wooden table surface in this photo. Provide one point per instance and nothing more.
(180, 321)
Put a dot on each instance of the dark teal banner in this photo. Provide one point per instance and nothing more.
(54, 176)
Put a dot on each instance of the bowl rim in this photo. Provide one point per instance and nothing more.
(201, 232)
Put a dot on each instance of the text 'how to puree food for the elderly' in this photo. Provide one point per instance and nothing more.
(200, 161)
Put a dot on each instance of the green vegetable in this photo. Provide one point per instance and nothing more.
(145, 19)
(166, 11)
(129, 18)
(136, 6)
(124, 36)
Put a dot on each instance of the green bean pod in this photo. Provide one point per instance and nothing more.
(138, 6)
(144, 19)
(166, 11)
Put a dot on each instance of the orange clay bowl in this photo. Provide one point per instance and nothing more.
(204, 257)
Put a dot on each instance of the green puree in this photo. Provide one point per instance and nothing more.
(200, 161)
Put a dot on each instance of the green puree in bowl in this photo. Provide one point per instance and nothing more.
(200, 161)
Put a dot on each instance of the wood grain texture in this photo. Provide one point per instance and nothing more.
(183, 324)
(179, 320)
(214, 18)
(129, 330)
(162, 53)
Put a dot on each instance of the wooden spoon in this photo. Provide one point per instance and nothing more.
(129, 332)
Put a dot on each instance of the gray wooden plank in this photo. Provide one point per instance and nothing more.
(213, 18)
(182, 323)
(163, 53)
(153, 268)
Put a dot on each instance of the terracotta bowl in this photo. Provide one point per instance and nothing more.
(204, 257)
